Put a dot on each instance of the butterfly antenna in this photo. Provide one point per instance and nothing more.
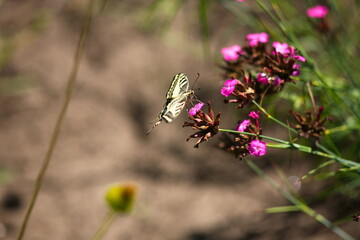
(198, 75)
(156, 119)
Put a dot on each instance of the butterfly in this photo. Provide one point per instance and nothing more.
(176, 98)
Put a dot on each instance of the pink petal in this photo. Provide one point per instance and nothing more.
(318, 11)
(226, 91)
(257, 148)
(243, 125)
(231, 53)
(300, 58)
(254, 115)
(263, 37)
(196, 108)
(282, 48)
(231, 82)
(255, 38)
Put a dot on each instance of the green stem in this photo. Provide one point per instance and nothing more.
(60, 118)
(108, 220)
(300, 204)
(342, 128)
(327, 153)
(253, 134)
(302, 148)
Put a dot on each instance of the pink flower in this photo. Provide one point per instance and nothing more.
(282, 48)
(231, 82)
(257, 148)
(254, 115)
(227, 91)
(231, 53)
(317, 11)
(229, 87)
(287, 51)
(239, 0)
(196, 108)
(293, 54)
(262, 78)
(243, 125)
(255, 38)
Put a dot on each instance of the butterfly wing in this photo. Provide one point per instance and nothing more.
(174, 108)
(179, 85)
(175, 99)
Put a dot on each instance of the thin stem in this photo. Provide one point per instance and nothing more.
(289, 145)
(274, 119)
(60, 118)
(253, 134)
(300, 204)
(342, 128)
(108, 220)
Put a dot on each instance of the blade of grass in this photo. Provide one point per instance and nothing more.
(204, 27)
(282, 209)
(312, 171)
(299, 204)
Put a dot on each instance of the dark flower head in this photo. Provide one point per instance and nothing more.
(206, 123)
(356, 218)
(243, 92)
(310, 124)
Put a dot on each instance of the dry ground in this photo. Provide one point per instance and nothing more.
(184, 193)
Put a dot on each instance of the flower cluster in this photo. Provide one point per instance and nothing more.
(272, 67)
(206, 123)
(252, 72)
(256, 70)
(241, 144)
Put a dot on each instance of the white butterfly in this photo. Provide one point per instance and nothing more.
(175, 99)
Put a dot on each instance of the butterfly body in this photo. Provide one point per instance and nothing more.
(175, 99)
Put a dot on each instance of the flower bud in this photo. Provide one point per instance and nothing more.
(121, 197)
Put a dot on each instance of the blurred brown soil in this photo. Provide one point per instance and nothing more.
(184, 193)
